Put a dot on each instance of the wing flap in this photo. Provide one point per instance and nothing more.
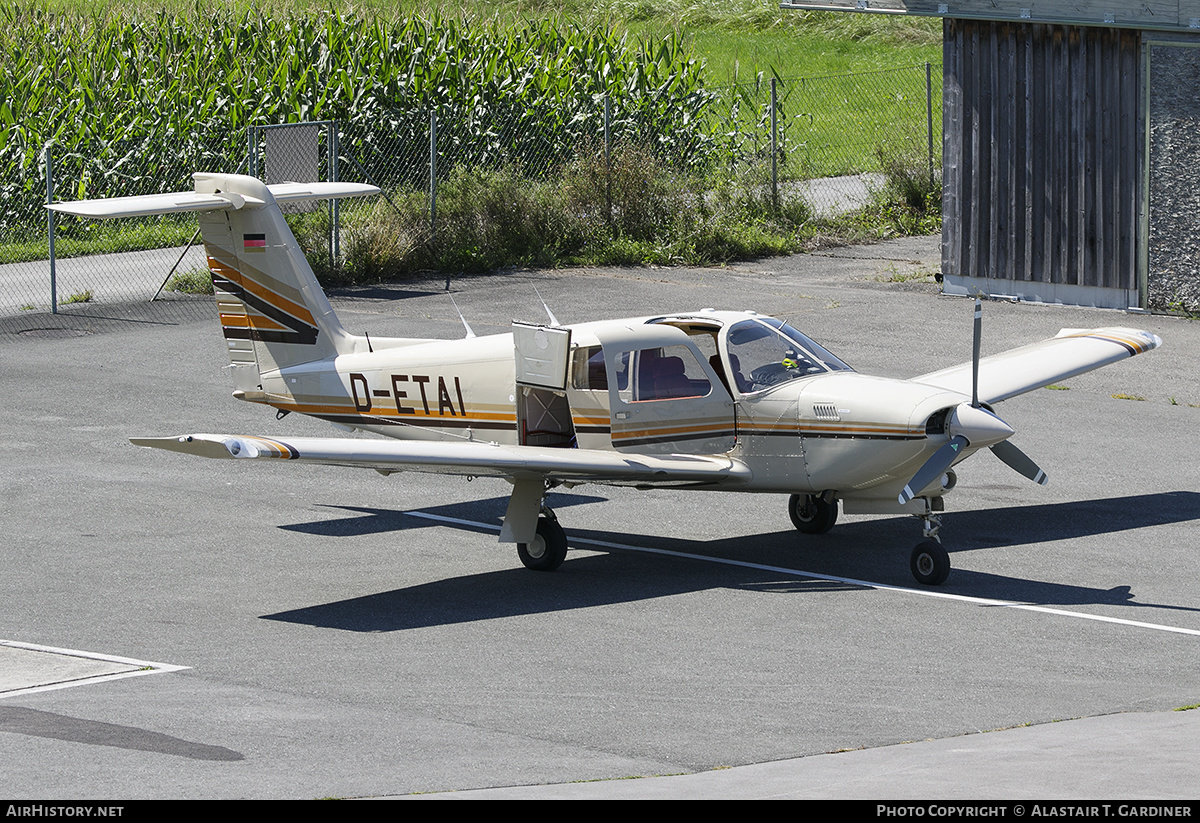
(1021, 370)
(466, 458)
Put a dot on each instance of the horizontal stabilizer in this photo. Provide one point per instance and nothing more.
(150, 204)
(292, 192)
(462, 458)
(204, 199)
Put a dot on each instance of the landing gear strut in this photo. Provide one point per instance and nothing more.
(930, 563)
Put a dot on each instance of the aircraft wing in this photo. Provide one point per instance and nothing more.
(1070, 352)
(464, 458)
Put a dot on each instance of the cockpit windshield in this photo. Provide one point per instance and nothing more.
(765, 352)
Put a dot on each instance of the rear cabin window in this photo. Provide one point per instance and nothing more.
(587, 369)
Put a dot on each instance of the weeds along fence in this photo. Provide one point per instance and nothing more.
(472, 188)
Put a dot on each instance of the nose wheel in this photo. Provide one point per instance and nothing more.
(930, 562)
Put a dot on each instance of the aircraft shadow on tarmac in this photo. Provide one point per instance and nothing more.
(874, 550)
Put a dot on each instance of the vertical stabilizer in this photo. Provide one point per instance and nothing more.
(273, 312)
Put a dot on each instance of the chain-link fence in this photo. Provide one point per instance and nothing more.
(826, 141)
(52, 263)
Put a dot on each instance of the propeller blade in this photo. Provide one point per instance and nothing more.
(975, 353)
(934, 467)
(1020, 462)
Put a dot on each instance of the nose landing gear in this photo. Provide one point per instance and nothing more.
(930, 562)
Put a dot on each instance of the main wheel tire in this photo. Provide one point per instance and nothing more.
(930, 563)
(811, 514)
(548, 549)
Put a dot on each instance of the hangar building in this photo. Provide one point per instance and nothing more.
(1071, 148)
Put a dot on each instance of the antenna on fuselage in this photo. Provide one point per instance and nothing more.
(550, 314)
(466, 325)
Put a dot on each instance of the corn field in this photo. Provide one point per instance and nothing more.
(154, 99)
(534, 144)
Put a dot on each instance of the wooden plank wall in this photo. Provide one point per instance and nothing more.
(1041, 153)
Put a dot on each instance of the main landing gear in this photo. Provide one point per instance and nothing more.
(812, 513)
(929, 562)
(548, 549)
(529, 522)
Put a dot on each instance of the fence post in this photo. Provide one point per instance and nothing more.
(50, 227)
(608, 158)
(331, 145)
(252, 151)
(432, 175)
(929, 117)
(774, 147)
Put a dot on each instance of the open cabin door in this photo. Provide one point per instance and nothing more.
(664, 397)
(543, 413)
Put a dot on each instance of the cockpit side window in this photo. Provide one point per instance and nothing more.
(764, 352)
(819, 353)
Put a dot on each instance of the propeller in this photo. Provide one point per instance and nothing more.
(934, 467)
(1017, 460)
(975, 353)
(972, 424)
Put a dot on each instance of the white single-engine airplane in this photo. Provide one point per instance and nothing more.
(705, 399)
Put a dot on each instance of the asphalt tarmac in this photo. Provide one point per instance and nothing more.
(182, 628)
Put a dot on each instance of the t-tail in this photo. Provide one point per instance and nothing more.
(273, 312)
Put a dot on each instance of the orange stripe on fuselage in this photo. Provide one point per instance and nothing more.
(313, 408)
(258, 290)
(715, 426)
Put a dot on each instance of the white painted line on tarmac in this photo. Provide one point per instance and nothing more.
(139, 668)
(978, 601)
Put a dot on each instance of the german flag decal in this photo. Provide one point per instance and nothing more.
(254, 242)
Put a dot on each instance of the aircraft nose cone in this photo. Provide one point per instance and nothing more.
(979, 426)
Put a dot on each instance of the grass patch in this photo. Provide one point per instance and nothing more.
(894, 275)
(740, 17)
(84, 296)
(1123, 396)
(196, 281)
(76, 237)
(1058, 387)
